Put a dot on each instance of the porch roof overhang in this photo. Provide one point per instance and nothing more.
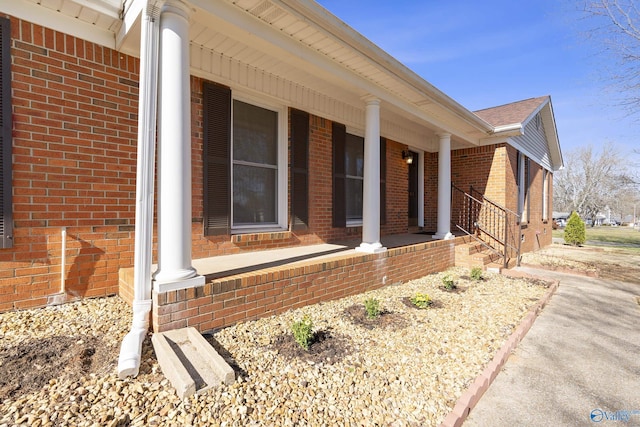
(294, 51)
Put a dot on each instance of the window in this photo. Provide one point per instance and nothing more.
(6, 218)
(354, 177)
(255, 165)
(245, 153)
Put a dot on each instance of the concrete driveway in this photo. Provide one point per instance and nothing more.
(579, 365)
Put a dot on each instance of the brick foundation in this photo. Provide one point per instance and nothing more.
(272, 291)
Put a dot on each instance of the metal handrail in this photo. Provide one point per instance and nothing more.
(489, 223)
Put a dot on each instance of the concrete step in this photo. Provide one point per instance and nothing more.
(190, 362)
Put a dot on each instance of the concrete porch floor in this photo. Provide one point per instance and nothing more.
(229, 265)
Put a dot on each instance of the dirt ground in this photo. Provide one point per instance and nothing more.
(611, 263)
(33, 364)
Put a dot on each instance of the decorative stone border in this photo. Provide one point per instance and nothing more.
(472, 395)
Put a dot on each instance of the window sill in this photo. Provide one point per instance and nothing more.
(270, 234)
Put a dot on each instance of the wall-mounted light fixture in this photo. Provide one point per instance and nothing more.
(407, 156)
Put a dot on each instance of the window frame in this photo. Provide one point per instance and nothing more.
(282, 169)
(545, 195)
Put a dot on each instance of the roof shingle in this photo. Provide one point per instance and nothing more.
(515, 112)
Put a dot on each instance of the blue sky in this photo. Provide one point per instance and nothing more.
(492, 52)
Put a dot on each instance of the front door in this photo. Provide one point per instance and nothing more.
(413, 190)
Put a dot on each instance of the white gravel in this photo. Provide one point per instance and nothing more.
(408, 373)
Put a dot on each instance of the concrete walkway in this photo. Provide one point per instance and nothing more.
(579, 365)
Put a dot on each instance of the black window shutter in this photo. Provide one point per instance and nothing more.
(299, 170)
(6, 217)
(339, 136)
(217, 158)
(383, 181)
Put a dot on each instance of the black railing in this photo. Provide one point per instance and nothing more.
(494, 226)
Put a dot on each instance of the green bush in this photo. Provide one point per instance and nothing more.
(421, 300)
(476, 273)
(575, 232)
(372, 306)
(448, 283)
(302, 332)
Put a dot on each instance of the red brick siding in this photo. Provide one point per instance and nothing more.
(74, 154)
(397, 190)
(480, 167)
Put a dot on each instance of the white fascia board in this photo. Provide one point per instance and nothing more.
(262, 33)
(49, 18)
(311, 11)
(554, 150)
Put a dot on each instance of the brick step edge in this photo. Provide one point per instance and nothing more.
(472, 395)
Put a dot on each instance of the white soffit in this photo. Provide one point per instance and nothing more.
(96, 20)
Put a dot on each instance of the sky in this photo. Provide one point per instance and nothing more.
(492, 52)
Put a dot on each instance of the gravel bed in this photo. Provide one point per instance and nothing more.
(408, 369)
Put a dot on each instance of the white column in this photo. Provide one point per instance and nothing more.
(174, 153)
(371, 186)
(421, 188)
(444, 187)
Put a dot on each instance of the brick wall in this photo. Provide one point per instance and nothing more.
(74, 154)
(431, 192)
(249, 296)
(480, 167)
(397, 190)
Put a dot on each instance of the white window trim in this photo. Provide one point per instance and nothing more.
(282, 175)
(545, 195)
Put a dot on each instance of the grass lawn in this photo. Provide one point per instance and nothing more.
(609, 236)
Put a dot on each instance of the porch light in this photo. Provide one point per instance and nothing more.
(407, 156)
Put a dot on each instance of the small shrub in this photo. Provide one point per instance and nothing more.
(372, 306)
(476, 273)
(575, 232)
(448, 283)
(421, 300)
(302, 332)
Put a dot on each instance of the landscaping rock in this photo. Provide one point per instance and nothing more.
(410, 374)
